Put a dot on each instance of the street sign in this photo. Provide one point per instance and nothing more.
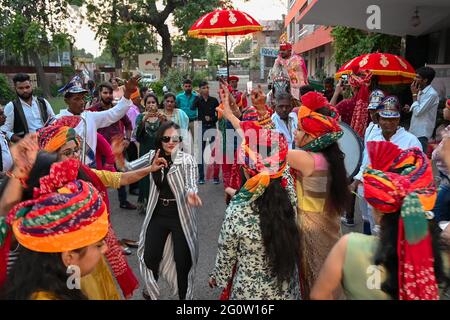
(269, 52)
(149, 63)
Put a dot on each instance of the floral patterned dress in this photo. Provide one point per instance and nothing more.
(241, 244)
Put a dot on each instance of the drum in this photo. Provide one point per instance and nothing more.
(352, 146)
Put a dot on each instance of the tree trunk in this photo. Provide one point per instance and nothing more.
(117, 59)
(167, 54)
(41, 77)
(192, 67)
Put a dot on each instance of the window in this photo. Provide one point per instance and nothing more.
(291, 30)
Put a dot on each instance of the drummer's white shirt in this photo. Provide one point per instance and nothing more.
(402, 138)
(372, 129)
(287, 130)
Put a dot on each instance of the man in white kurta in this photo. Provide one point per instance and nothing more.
(389, 119)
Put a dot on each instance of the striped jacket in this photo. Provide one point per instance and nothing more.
(182, 177)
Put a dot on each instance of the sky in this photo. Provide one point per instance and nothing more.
(271, 10)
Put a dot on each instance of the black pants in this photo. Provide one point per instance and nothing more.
(166, 221)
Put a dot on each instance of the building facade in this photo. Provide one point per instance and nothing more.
(265, 46)
(313, 42)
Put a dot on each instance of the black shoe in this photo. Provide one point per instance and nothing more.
(126, 251)
(145, 295)
(127, 205)
(216, 181)
(130, 243)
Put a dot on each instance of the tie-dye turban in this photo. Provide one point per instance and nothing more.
(402, 181)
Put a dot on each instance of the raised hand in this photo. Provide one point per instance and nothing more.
(131, 86)
(259, 99)
(225, 98)
(24, 155)
(415, 87)
(158, 163)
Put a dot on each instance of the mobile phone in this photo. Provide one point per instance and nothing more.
(249, 87)
(344, 78)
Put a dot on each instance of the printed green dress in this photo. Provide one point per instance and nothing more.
(241, 245)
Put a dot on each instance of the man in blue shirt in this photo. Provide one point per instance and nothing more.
(185, 101)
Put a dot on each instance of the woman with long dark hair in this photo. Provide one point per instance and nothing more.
(405, 261)
(147, 125)
(321, 181)
(60, 230)
(259, 235)
(168, 243)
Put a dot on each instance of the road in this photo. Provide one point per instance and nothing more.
(127, 224)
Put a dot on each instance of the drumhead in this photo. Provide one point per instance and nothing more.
(352, 146)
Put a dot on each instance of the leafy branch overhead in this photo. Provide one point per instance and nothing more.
(349, 43)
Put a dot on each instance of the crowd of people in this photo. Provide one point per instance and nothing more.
(285, 183)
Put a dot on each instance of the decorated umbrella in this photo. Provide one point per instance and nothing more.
(390, 68)
(225, 22)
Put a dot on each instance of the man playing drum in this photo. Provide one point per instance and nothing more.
(388, 121)
(375, 99)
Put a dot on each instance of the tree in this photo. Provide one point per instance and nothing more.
(105, 58)
(350, 43)
(190, 48)
(124, 38)
(215, 54)
(184, 18)
(245, 46)
(30, 26)
(185, 14)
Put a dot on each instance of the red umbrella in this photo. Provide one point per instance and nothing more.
(226, 22)
(390, 68)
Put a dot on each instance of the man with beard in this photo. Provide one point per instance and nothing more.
(114, 130)
(74, 96)
(27, 113)
(293, 66)
(239, 96)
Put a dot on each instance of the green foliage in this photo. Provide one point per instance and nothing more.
(349, 43)
(6, 93)
(68, 72)
(189, 47)
(174, 79)
(38, 92)
(123, 38)
(244, 46)
(157, 87)
(215, 54)
(105, 58)
(54, 90)
(184, 17)
(199, 76)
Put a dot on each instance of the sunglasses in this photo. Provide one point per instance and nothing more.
(70, 152)
(167, 139)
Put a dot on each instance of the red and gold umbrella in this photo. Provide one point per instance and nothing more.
(390, 68)
(225, 22)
